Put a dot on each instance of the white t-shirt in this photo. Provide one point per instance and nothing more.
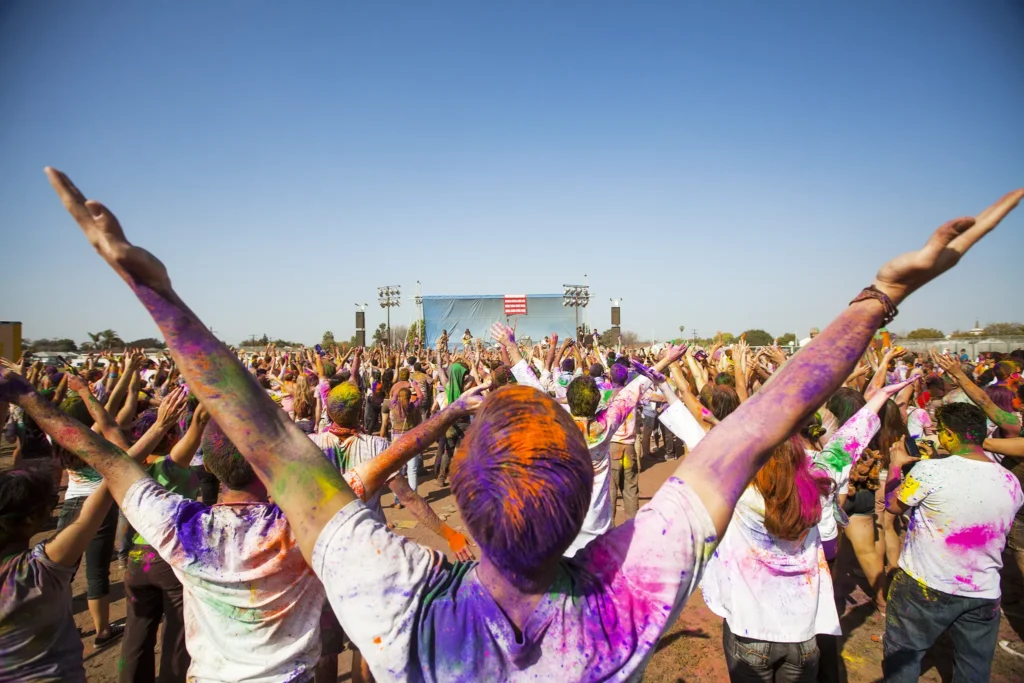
(251, 603)
(846, 446)
(355, 450)
(415, 617)
(773, 589)
(962, 511)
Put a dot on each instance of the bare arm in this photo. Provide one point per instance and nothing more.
(131, 402)
(728, 458)
(422, 511)
(302, 482)
(183, 451)
(1012, 447)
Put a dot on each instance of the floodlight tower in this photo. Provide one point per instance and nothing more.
(577, 296)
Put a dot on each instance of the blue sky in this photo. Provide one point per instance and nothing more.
(718, 165)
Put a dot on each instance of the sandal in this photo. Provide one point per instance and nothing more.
(116, 631)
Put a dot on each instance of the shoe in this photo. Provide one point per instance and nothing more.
(116, 631)
(1015, 648)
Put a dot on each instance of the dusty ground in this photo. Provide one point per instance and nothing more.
(691, 650)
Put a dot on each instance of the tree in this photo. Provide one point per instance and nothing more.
(328, 340)
(630, 338)
(418, 329)
(758, 338)
(1004, 329)
(105, 340)
(926, 333)
(264, 340)
(726, 338)
(147, 343)
(59, 345)
(787, 339)
(380, 335)
(608, 337)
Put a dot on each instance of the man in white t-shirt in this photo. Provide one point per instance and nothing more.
(961, 508)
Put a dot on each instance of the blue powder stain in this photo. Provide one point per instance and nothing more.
(189, 525)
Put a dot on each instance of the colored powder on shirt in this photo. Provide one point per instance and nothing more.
(971, 537)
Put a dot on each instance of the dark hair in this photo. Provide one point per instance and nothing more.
(411, 360)
(522, 480)
(24, 494)
(223, 460)
(1003, 370)
(583, 397)
(417, 366)
(892, 431)
(724, 400)
(845, 403)
(965, 420)
(596, 370)
(619, 375)
(501, 376)
(986, 378)
(568, 365)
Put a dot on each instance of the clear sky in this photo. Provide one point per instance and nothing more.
(718, 165)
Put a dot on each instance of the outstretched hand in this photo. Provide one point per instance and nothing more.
(471, 400)
(904, 274)
(503, 334)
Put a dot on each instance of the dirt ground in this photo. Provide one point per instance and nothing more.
(690, 650)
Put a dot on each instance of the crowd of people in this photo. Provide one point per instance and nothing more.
(242, 492)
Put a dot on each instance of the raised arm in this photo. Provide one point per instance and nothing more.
(729, 456)
(301, 481)
(1007, 422)
(118, 469)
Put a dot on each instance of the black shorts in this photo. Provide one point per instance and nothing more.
(332, 636)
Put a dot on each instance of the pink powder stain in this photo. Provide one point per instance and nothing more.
(971, 537)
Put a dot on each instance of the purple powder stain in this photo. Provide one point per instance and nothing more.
(971, 537)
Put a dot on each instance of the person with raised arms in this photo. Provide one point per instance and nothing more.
(522, 481)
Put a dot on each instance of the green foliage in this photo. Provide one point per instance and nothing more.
(926, 333)
(147, 343)
(59, 345)
(1004, 329)
(327, 341)
(758, 338)
(787, 339)
(380, 335)
(105, 340)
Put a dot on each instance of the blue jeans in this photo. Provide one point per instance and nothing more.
(758, 661)
(918, 615)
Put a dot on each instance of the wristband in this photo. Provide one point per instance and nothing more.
(872, 292)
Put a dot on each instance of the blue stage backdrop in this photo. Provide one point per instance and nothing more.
(544, 314)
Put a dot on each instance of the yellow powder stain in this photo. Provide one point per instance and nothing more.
(909, 487)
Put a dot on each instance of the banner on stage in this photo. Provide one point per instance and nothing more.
(515, 304)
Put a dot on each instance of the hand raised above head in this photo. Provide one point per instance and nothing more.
(902, 275)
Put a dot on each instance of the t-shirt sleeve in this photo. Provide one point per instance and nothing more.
(521, 371)
(375, 582)
(651, 564)
(919, 482)
(154, 512)
(681, 423)
(47, 575)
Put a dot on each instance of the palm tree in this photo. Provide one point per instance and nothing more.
(105, 340)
